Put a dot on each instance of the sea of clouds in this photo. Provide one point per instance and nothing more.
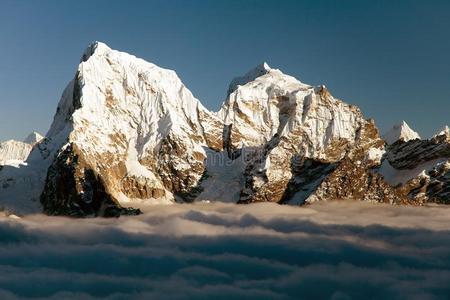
(335, 250)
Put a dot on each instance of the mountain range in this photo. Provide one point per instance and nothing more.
(127, 131)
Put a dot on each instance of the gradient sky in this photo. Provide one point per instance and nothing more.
(391, 58)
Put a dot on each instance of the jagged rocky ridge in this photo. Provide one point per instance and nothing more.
(420, 169)
(127, 131)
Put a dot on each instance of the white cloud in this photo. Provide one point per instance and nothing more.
(344, 250)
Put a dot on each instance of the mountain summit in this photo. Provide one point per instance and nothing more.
(251, 75)
(127, 131)
(402, 132)
(14, 153)
(33, 138)
(445, 131)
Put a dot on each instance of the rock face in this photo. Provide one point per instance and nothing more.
(126, 132)
(73, 189)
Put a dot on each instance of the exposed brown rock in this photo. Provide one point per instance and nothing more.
(74, 189)
(434, 185)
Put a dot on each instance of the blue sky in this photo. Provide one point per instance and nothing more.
(390, 58)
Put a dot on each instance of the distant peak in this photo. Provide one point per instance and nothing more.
(259, 70)
(33, 138)
(400, 131)
(444, 131)
(95, 47)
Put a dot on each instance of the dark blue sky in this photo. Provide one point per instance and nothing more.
(391, 58)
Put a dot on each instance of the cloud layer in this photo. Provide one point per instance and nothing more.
(265, 251)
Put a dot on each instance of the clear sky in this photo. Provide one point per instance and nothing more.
(390, 58)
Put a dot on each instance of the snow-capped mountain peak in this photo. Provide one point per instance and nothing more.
(14, 153)
(127, 131)
(96, 47)
(132, 124)
(444, 131)
(400, 131)
(33, 138)
(259, 70)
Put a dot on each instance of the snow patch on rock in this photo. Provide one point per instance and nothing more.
(394, 176)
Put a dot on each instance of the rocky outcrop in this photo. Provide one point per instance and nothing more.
(354, 178)
(72, 188)
(407, 155)
(419, 169)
